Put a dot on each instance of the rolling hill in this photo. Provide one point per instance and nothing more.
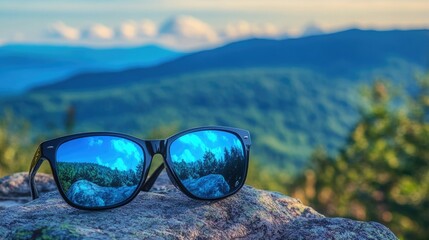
(293, 95)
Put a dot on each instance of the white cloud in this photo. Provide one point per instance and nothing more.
(180, 32)
(312, 29)
(128, 30)
(293, 14)
(137, 30)
(189, 28)
(148, 28)
(99, 31)
(269, 29)
(242, 29)
(61, 30)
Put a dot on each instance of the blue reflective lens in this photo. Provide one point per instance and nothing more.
(210, 164)
(99, 171)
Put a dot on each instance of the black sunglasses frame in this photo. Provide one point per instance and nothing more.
(47, 151)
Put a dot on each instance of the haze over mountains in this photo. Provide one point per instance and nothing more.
(27, 66)
(336, 54)
(293, 95)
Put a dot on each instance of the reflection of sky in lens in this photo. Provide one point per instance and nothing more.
(192, 146)
(112, 152)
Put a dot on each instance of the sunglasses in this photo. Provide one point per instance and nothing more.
(102, 170)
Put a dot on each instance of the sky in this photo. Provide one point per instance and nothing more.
(192, 147)
(193, 24)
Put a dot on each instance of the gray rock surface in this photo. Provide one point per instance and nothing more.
(166, 213)
(14, 189)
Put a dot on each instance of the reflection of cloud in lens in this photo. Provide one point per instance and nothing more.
(238, 144)
(186, 155)
(218, 152)
(100, 162)
(192, 139)
(191, 147)
(119, 164)
(95, 141)
(127, 147)
(211, 136)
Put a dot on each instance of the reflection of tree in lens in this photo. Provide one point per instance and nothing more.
(230, 167)
(105, 170)
(69, 173)
(108, 186)
(210, 164)
(233, 170)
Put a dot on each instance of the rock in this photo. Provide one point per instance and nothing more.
(14, 189)
(210, 186)
(86, 193)
(166, 213)
(336, 228)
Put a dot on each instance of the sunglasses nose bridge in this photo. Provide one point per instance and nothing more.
(155, 146)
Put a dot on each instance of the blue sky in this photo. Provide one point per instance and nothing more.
(191, 147)
(107, 151)
(191, 24)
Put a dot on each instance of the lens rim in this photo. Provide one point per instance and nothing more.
(241, 134)
(51, 153)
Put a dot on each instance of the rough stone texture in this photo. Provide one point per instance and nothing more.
(14, 189)
(166, 213)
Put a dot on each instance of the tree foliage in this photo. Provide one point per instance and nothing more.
(230, 166)
(382, 173)
(14, 144)
(288, 107)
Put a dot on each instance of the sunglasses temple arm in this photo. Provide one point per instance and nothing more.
(35, 164)
(149, 183)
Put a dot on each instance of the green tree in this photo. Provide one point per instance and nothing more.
(14, 144)
(382, 174)
(70, 119)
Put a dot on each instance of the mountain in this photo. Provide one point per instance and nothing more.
(293, 95)
(27, 66)
(341, 54)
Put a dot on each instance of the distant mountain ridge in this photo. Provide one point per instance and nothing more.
(293, 95)
(26, 66)
(336, 54)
